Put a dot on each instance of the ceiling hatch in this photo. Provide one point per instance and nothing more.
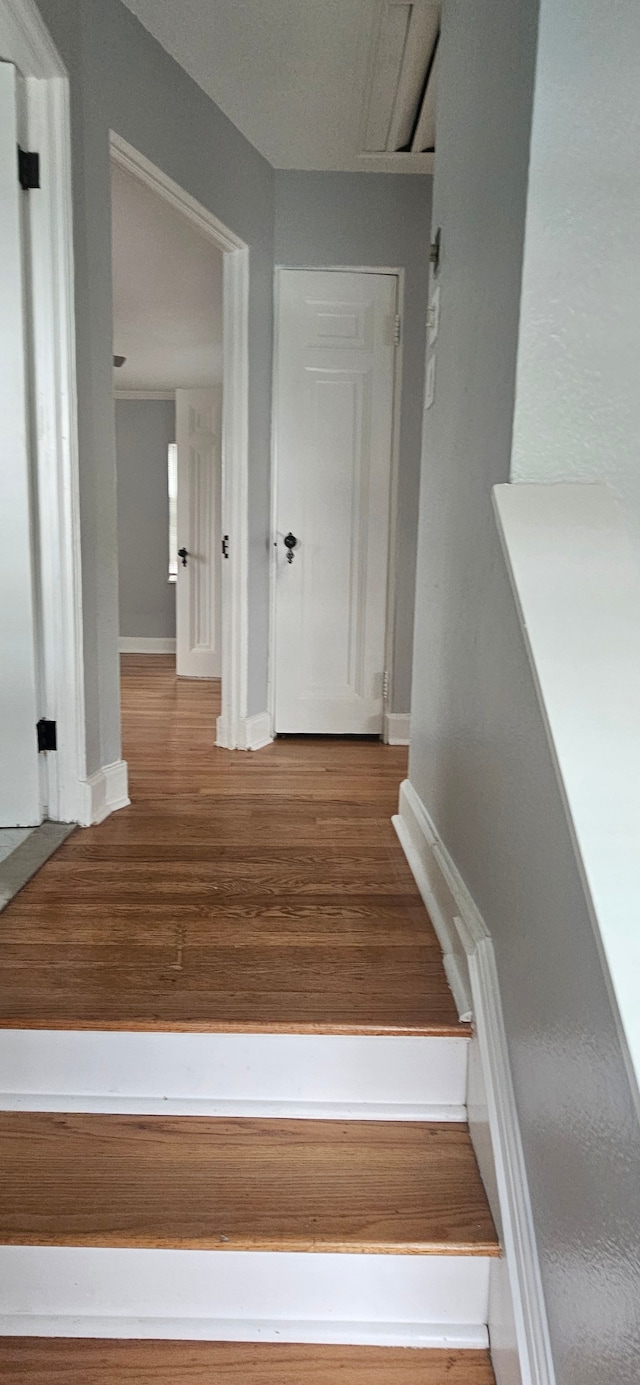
(400, 106)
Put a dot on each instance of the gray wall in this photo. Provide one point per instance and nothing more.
(121, 79)
(479, 758)
(374, 220)
(144, 429)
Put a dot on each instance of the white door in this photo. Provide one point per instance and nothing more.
(334, 389)
(20, 798)
(198, 596)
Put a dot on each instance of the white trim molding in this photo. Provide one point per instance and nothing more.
(144, 394)
(146, 644)
(228, 1295)
(231, 730)
(25, 40)
(105, 792)
(397, 728)
(253, 733)
(473, 976)
(276, 1076)
(421, 847)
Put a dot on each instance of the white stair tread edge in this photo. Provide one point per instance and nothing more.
(448, 1336)
(118, 1284)
(327, 1069)
(245, 1110)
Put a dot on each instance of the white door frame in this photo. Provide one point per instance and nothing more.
(231, 726)
(25, 41)
(399, 275)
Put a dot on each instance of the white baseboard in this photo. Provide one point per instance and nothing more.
(517, 1308)
(397, 728)
(404, 1300)
(299, 1076)
(105, 792)
(251, 733)
(421, 848)
(141, 644)
(430, 1336)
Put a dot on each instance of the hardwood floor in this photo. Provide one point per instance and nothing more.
(68, 1362)
(189, 1182)
(240, 891)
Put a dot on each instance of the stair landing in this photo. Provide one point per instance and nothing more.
(251, 891)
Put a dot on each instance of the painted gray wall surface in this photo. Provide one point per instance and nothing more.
(367, 219)
(578, 401)
(121, 79)
(479, 758)
(144, 429)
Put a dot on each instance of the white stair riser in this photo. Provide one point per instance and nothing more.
(297, 1075)
(410, 1300)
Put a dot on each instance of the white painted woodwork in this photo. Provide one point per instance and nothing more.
(334, 393)
(319, 1076)
(574, 571)
(20, 795)
(198, 591)
(406, 1300)
(517, 1318)
(233, 729)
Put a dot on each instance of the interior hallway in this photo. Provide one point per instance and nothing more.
(252, 892)
(261, 890)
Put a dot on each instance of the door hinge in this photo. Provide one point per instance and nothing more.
(397, 329)
(385, 686)
(28, 169)
(47, 733)
(225, 546)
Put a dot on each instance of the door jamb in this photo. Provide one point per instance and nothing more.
(399, 275)
(25, 41)
(231, 724)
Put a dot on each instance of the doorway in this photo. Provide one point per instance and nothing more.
(208, 457)
(168, 363)
(334, 415)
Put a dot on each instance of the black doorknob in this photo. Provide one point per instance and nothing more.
(182, 553)
(290, 543)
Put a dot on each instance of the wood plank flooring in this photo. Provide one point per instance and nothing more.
(257, 891)
(68, 1362)
(237, 1184)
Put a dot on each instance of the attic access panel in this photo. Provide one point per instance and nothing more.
(400, 103)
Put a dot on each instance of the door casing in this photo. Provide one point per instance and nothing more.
(399, 275)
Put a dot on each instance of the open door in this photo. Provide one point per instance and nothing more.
(20, 796)
(198, 597)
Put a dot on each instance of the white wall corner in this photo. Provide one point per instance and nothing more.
(518, 1327)
(254, 732)
(104, 792)
(397, 728)
(250, 733)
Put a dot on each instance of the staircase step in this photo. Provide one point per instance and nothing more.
(325, 1076)
(231, 1184)
(81, 1362)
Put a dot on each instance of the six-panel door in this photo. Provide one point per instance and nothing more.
(333, 428)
